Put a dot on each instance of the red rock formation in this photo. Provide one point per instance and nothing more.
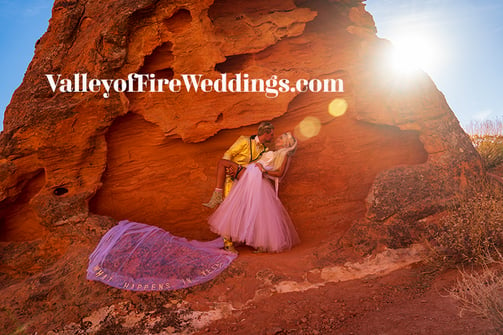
(151, 156)
(387, 149)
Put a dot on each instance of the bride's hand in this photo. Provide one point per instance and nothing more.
(262, 169)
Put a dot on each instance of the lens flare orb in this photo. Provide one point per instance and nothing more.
(338, 107)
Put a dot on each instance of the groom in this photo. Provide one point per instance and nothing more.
(246, 150)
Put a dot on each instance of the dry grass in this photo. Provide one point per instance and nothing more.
(487, 137)
(486, 128)
(482, 292)
(472, 233)
(472, 229)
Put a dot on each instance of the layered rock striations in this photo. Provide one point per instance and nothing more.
(151, 156)
(383, 149)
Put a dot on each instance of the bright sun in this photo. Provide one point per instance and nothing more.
(414, 51)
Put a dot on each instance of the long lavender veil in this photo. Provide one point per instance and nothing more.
(139, 257)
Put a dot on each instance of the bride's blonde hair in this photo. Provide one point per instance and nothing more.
(288, 150)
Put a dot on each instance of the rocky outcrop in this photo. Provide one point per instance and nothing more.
(380, 149)
(150, 156)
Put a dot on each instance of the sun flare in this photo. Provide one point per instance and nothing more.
(414, 51)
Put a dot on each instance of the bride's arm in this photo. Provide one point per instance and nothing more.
(281, 171)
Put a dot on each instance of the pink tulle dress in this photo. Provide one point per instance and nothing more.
(253, 214)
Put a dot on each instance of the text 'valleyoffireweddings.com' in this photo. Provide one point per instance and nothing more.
(272, 87)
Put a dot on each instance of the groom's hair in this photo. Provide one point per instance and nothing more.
(265, 128)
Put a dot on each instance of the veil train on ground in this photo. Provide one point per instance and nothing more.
(139, 257)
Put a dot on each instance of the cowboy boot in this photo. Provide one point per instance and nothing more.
(216, 199)
(229, 246)
(259, 250)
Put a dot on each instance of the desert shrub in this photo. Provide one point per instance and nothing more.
(482, 292)
(471, 229)
(487, 137)
(491, 151)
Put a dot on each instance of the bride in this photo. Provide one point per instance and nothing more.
(252, 213)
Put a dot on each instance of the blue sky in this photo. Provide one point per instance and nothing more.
(463, 40)
(22, 23)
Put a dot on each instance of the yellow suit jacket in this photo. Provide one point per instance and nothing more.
(244, 151)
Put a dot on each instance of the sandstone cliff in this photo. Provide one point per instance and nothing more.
(393, 152)
(151, 156)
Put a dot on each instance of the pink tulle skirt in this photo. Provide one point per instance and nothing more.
(253, 214)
